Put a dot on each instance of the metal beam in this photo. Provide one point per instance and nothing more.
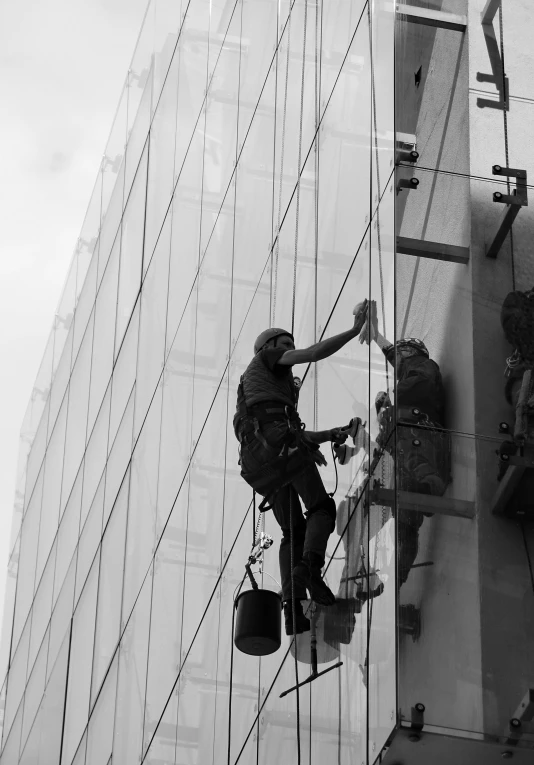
(490, 9)
(434, 250)
(432, 18)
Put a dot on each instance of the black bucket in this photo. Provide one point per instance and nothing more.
(258, 623)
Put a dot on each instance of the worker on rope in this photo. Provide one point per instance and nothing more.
(279, 459)
(423, 448)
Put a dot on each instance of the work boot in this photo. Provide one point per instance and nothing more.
(307, 574)
(302, 623)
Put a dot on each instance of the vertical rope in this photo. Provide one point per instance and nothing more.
(506, 150)
(379, 191)
(299, 163)
(293, 615)
(316, 215)
(282, 155)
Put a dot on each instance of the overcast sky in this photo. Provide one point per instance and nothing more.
(62, 67)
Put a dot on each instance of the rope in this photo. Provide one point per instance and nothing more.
(506, 152)
(293, 609)
(282, 153)
(316, 214)
(334, 458)
(299, 164)
(232, 669)
(254, 528)
(379, 195)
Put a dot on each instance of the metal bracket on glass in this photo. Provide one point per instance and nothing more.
(514, 201)
(435, 250)
(497, 76)
(406, 148)
(432, 18)
(418, 718)
(407, 183)
(522, 721)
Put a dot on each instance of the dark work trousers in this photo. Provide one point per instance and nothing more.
(310, 534)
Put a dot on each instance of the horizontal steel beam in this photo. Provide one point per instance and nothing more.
(434, 250)
(432, 18)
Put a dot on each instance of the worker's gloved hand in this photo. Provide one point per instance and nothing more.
(360, 315)
(370, 329)
(338, 435)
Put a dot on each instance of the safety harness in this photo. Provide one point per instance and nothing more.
(296, 451)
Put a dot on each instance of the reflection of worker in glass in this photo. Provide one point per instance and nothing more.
(423, 447)
(279, 459)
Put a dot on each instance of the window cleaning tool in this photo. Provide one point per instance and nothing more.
(313, 646)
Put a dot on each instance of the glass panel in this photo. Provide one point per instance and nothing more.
(41, 388)
(139, 88)
(16, 679)
(68, 534)
(192, 54)
(61, 616)
(11, 743)
(432, 68)
(64, 314)
(103, 345)
(142, 505)
(53, 471)
(61, 379)
(219, 122)
(162, 145)
(42, 608)
(90, 538)
(110, 236)
(9, 608)
(87, 243)
(81, 754)
(53, 709)
(77, 413)
(151, 351)
(80, 662)
(124, 374)
(185, 240)
(110, 590)
(193, 726)
(85, 306)
(100, 734)
(119, 458)
(176, 421)
(166, 618)
(434, 300)
(95, 456)
(27, 562)
(112, 180)
(133, 224)
(133, 652)
(168, 17)
(35, 688)
(35, 458)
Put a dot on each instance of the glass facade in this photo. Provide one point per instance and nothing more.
(253, 177)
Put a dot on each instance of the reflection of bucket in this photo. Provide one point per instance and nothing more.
(258, 624)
